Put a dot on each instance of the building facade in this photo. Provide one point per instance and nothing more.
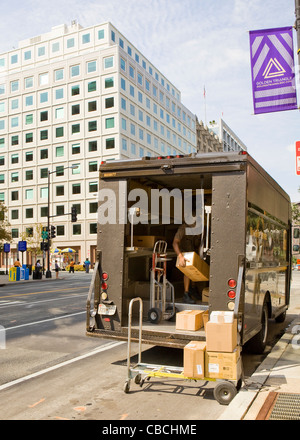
(229, 139)
(72, 98)
(207, 140)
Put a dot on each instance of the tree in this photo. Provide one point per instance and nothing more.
(5, 234)
(33, 239)
(296, 213)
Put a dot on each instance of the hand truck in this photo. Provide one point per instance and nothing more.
(224, 390)
(162, 298)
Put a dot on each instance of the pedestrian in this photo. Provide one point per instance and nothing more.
(87, 264)
(17, 263)
(56, 269)
(71, 269)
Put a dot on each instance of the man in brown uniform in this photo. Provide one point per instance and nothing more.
(185, 243)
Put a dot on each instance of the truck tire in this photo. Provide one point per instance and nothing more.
(258, 343)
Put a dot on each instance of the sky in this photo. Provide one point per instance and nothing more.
(195, 44)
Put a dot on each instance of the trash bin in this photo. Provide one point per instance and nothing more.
(22, 273)
(12, 276)
(29, 267)
(26, 272)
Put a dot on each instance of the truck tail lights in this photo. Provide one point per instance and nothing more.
(231, 294)
(232, 283)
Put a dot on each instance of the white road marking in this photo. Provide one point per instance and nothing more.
(44, 320)
(106, 347)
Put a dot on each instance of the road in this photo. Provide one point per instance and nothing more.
(50, 370)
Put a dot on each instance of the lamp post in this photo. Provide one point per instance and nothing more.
(48, 272)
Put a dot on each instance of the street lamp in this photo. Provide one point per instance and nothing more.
(48, 272)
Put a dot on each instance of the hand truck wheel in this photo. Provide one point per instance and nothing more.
(224, 392)
(155, 315)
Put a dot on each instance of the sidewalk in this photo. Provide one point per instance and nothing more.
(273, 391)
(4, 279)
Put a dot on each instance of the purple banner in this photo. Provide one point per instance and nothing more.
(272, 67)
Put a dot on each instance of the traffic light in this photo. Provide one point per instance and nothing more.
(45, 233)
(53, 231)
(44, 246)
(73, 214)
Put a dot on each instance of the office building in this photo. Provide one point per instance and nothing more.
(74, 97)
(230, 140)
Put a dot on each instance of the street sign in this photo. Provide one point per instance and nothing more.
(6, 247)
(22, 246)
(298, 158)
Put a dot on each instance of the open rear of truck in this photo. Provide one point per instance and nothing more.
(245, 241)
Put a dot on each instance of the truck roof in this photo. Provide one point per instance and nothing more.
(180, 164)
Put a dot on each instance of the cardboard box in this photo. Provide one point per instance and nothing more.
(195, 268)
(221, 337)
(223, 365)
(205, 318)
(147, 241)
(189, 320)
(222, 317)
(194, 360)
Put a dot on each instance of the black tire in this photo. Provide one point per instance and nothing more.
(126, 387)
(224, 392)
(155, 315)
(281, 318)
(258, 343)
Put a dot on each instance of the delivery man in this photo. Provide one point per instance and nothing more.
(186, 243)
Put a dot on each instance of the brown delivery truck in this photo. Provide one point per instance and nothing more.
(242, 220)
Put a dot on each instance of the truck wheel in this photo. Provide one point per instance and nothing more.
(127, 387)
(258, 343)
(281, 318)
(224, 392)
(155, 315)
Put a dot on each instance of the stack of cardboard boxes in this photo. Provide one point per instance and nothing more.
(219, 356)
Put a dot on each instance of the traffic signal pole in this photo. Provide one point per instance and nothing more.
(48, 272)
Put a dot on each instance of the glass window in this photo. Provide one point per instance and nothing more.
(60, 210)
(14, 104)
(92, 126)
(110, 143)
(44, 211)
(92, 106)
(75, 70)
(29, 101)
(59, 74)
(14, 86)
(77, 169)
(28, 82)
(29, 175)
(27, 55)
(14, 195)
(108, 62)
(59, 113)
(76, 188)
(75, 90)
(70, 43)
(59, 171)
(29, 212)
(44, 116)
(123, 64)
(91, 66)
(44, 193)
(29, 156)
(44, 153)
(60, 190)
(29, 119)
(55, 47)
(2, 178)
(15, 158)
(44, 173)
(41, 51)
(43, 79)
(75, 128)
(14, 59)
(92, 86)
(14, 214)
(76, 109)
(140, 79)
(59, 151)
(29, 137)
(86, 38)
(93, 146)
(93, 187)
(76, 229)
(15, 177)
(109, 102)
(59, 93)
(43, 97)
(109, 82)
(109, 122)
(75, 148)
(60, 230)
(15, 121)
(59, 132)
(29, 194)
(2, 89)
(93, 166)
(43, 135)
(101, 34)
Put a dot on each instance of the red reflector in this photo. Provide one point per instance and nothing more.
(105, 276)
(104, 286)
(231, 294)
(232, 283)
(107, 319)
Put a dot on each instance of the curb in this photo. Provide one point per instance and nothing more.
(243, 401)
